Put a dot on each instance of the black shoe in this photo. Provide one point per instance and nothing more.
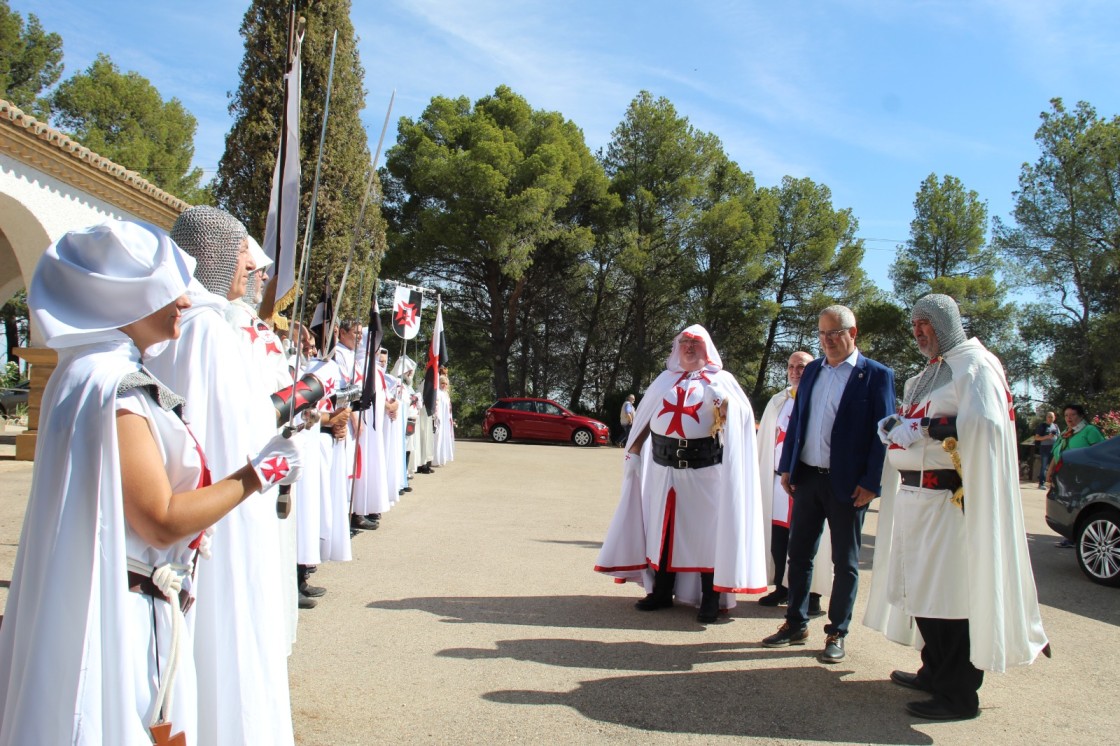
(354, 532)
(373, 516)
(309, 569)
(653, 602)
(932, 709)
(833, 650)
(311, 590)
(786, 636)
(815, 609)
(908, 680)
(709, 609)
(778, 598)
(306, 602)
(357, 521)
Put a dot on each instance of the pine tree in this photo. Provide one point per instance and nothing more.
(244, 176)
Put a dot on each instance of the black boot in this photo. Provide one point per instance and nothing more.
(311, 591)
(662, 596)
(709, 600)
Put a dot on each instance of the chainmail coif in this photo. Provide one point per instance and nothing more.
(942, 313)
(213, 237)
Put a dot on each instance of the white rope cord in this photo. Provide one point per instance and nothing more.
(169, 579)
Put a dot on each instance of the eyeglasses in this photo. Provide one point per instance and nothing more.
(834, 334)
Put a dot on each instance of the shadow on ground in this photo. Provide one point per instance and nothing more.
(761, 703)
(622, 656)
(1062, 585)
(585, 612)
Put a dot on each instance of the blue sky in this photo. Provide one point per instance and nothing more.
(866, 97)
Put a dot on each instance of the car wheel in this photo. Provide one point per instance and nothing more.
(1098, 548)
(583, 437)
(499, 433)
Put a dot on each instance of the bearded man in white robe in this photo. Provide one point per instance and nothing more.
(951, 553)
(689, 525)
(242, 663)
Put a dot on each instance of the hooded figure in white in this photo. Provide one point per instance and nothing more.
(943, 560)
(689, 523)
(96, 647)
(242, 660)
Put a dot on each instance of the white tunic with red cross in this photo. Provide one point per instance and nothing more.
(928, 576)
(684, 502)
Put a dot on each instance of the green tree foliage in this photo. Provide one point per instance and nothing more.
(727, 269)
(813, 260)
(244, 180)
(658, 165)
(30, 61)
(14, 317)
(122, 117)
(1064, 246)
(947, 254)
(477, 194)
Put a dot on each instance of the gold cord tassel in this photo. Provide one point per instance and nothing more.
(717, 424)
(950, 446)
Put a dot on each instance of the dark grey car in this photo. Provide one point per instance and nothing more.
(12, 398)
(1083, 505)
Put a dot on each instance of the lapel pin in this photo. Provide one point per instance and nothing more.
(861, 375)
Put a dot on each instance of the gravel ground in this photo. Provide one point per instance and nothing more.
(473, 616)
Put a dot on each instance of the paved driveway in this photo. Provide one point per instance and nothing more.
(473, 616)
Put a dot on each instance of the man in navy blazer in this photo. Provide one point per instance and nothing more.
(832, 464)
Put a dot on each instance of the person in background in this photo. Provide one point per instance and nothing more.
(777, 504)
(626, 420)
(1044, 436)
(1079, 433)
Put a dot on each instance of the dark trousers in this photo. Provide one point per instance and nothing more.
(814, 506)
(779, 547)
(946, 670)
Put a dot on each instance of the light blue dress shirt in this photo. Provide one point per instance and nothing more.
(828, 388)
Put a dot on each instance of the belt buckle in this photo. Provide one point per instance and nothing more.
(682, 464)
(682, 442)
(681, 453)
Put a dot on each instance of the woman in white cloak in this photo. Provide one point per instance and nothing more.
(96, 647)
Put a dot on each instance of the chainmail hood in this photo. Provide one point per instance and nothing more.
(942, 312)
(213, 237)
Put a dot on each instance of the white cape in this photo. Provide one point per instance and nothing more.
(740, 564)
(69, 645)
(1005, 625)
(240, 648)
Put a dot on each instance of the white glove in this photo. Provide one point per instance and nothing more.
(277, 463)
(907, 431)
(887, 424)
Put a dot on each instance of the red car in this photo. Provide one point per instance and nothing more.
(541, 419)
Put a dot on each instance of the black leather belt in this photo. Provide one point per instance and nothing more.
(686, 453)
(812, 469)
(932, 479)
(940, 428)
(138, 583)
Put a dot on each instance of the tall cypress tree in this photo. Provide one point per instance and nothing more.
(244, 176)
